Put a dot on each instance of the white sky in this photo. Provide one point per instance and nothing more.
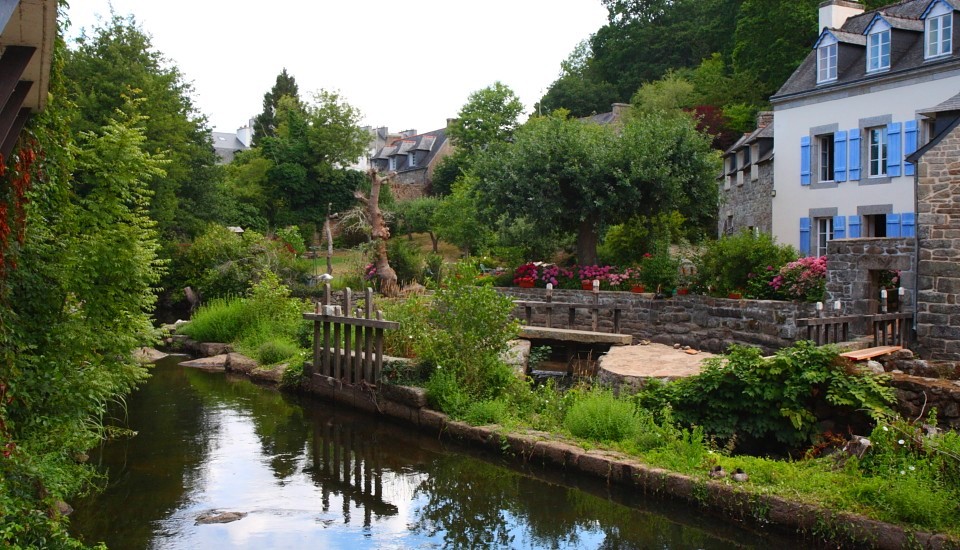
(403, 64)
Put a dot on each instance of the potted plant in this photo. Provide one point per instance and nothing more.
(631, 278)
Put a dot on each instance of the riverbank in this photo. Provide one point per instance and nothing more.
(754, 504)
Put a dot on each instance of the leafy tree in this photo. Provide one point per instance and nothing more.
(450, 169)
(490, 115)
(416, 216)
(265, 124)
(312, 143)
(579, 89)
(578, 177)
(456, 219)
(118, 61)
(772, 38)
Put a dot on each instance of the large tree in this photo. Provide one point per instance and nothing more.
(265, 124)
(489, 115)
(116, 61)
(577, 177)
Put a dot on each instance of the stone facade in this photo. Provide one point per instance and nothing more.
(748, 204)
(702, 322)
(853, 272)
(938, 232)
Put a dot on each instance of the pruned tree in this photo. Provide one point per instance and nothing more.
(379, 233)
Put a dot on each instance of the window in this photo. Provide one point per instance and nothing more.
(877, 151)
(878, 51)
(826, 144)
(875, 225)
(412, 160)
(939, 34)
(824, 235)
(392, 163)
(827, 63)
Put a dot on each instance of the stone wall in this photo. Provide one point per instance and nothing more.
(853, 268)
(748, 204)
(702, 322)
(938, 232)
(415, 188)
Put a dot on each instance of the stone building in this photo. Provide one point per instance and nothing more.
(413, 159)
(746, 186)
(938, 235)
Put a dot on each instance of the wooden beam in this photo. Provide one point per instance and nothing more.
(10, 140)
(14, 61)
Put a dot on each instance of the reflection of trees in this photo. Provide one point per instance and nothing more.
(147, 473)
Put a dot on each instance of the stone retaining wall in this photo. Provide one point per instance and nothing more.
(759, 511)
(701, 322)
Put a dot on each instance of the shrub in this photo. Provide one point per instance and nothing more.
(731, 263)
(480, 413)
(292, 237)
(804, 279)
(406, 259)
(600, 416)
(276, 351)
(219, 320)
(625, 244)
(658, 272)
(760, 400)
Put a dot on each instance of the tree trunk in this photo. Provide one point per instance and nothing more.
(328, 233)
(379, 233)
(433, 240)
(587, 238)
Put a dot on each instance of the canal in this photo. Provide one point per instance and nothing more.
(312, 474)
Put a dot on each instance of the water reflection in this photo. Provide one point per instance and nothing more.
(309, 474)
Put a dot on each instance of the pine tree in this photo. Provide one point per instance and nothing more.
(265, 124)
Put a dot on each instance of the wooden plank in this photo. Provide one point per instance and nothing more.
(347, 346)
(327, 366)
(869, 353)
(355, 321)
(569, 335)
(368, 355)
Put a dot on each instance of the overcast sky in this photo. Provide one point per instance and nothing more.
(403, 64)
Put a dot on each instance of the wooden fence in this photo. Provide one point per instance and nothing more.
(348, 343)
(571, 307)
(888, 329)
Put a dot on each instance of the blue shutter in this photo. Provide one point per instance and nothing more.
(805, 236)
(909, 145)
(854, 158)
(839, 227)
(893, 225)
(893, 149)
(853, 227)
(907, 226)
(805, 160)
(840, 156)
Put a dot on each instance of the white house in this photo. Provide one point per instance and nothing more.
(849, 116)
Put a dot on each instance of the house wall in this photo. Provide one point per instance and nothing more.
(747, 203)
(847, 108)
(938, 232)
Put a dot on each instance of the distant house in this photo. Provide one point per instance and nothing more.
(379, 137)
(849, 117)
(746, 185)
(413, 158)
(615, 116)
(227, 145)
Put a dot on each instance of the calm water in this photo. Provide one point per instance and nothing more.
(310, 474)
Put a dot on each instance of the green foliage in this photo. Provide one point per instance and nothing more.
(291, 235)
(457, 220)
(272, 352)
(659, 271)
(575, 177)
(218, 320)
(481, 413)
(600, 416)
(626, 243)
(489, 116)
(264, 124)
(117, 61)
(750, 397)
(744, 262)
(407, 260)
(448, 171)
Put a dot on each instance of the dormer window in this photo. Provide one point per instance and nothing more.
(827, 59)
(392, 163)
(878, 51)
(411, 160)
(938, 31)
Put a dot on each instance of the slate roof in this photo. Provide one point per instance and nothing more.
(906, 54)
(430, 142)
(952, 104)
(226, 145)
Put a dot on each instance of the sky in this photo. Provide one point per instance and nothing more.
(404, 65)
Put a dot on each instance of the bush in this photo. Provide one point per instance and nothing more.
(659, 272)
(219, 320)
(599, 416)
(625, 244)
(763, 401)
(407, 260)
(480, 413)
(732, 264)
(276, 351)
(804, 279)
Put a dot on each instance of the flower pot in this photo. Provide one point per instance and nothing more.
(734, 296)
(638, 289)
(683, 291)
(586, 285)
(525, 284)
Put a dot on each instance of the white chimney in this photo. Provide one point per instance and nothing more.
(833, 13)
(245, 135)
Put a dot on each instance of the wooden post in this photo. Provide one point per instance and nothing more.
(378, 343)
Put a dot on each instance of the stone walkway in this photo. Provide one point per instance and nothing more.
(630, 364)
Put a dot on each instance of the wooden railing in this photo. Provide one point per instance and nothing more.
(888, 329)
(348, 347)
(549, 305)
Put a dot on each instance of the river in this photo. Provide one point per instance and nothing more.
(312, 474)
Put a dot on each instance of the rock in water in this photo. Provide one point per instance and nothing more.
(214, 516)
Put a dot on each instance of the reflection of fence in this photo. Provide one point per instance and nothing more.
(888, 329)
(348, 344)
(348, 464)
